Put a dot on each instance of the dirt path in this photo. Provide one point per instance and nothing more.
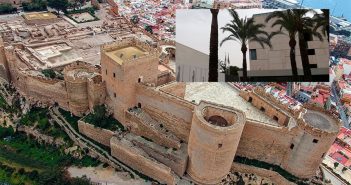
(105, 176)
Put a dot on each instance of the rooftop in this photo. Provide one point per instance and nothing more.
(39, 15)
(122, 54)
(228, 97)
(321, 121)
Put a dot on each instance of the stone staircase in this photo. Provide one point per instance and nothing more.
(155, 125)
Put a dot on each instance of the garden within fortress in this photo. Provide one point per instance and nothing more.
(167, 136)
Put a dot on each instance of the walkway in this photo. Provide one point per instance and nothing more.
(82, 141)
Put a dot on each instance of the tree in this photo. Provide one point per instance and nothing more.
(59, 5)
(297, 24)
(322, 21)
(343, 169)
(148, 28)
(7, 8)
(213, 58)
(134, 19)
(243, 31)
(336, 164)
(50, 73)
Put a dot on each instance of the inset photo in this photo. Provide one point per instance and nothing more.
(252, 45)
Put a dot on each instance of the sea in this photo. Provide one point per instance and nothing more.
(338, 8)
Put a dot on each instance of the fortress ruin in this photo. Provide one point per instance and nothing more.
(167, 136)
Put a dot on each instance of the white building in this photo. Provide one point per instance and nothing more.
(275, 61)
(192, 65)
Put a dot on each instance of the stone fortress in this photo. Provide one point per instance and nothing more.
(168, 138)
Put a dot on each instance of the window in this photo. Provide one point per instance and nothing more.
(114, 94)
(308, 36)
(250, 100)
(139, 105)
(114, 75)
(193, 77)
(262, 109)
(275, 118)
(315, 140)
(311, 52)
(313, 65)
(292, 146)
(106, 71)
(323, 155)
(253, 54)
(220, 145)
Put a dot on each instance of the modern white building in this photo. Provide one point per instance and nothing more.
(275, 61)
(192, 65)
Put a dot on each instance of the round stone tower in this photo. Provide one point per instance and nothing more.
(76, 77)
(316, 132)
(214, 137)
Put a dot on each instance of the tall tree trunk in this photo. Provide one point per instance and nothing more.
(244, 50)
(304, 58)
(292, 44)
(213, 63)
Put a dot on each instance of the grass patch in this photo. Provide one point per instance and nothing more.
(100, 118)
(36, 115)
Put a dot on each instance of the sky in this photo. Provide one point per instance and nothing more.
(193, 28)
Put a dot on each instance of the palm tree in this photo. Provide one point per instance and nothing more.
(243, 31)
(297, 24)
(213, 63)
(322, 21)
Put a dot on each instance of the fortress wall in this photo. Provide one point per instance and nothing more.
(265, 106)
(100, 135)
(137, 159)
(35, 88)
(46, 91)
(77, 92)
(175, 113)
(272, 175)
(164, 78)
(265, 143)
(96, 91)
(77, 86)
(176, 89)
(142, 129)
(177, 160)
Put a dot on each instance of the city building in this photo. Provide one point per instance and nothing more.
(275, 62)
(192, 65)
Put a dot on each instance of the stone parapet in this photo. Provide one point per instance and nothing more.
(144, 125)
(125, 151)
(99, 135)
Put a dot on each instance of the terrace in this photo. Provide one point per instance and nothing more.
(123, 54)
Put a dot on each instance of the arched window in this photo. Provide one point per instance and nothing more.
(275, 118)
(139, 105)
(250, 100)
(262, 109)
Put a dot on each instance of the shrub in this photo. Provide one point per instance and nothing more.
(6, 8)
(49, 73)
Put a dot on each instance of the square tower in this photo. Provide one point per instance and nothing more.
(124, 64)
